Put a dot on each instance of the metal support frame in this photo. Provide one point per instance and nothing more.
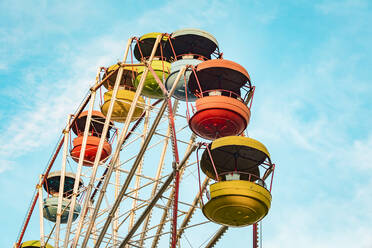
(175, 150)
(168, 205)
(115, 223)
(216, 237)
(255, 235)
(41, 214)
(139, 169)
(136, 124)
(79, 168)
(191, 211)
(121, 141)
(157, 196)
(100, 148)
(157, 176)
(139, 157)
(128, 178)
(62, 181)
(94, 231)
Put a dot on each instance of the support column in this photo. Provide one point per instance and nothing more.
(192, 208)
(79, 169)
(98, 155)
(156, 197)
(115, 223)
(157, 176)
(139, 169)
(41, 214)
(255, 235)
(175, 151)
(168, 206)
(62, 180)
(117, 151)
(129, 176)
(216, 237)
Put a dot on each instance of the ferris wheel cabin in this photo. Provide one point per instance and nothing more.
(34, 244)
(239, 197)
(93, 139)
(144, 45)
(187, 47)
(52, 187)
(175, 68)
(220, 109)
(52, 183)
(151, 88)
(191, 41)
(125, 95)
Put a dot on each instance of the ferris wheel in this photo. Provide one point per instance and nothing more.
(156, 155)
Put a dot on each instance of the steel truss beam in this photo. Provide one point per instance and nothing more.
(216, 237)
(165, 185)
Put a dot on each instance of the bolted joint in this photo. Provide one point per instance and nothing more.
(174, 165)
(146, 63)
(92, 89)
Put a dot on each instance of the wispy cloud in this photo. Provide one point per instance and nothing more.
(180, 14)
(359, 153)
(325, 222)
(52, 99)
(5, 165)
(341, 7)
(58, 87)
(312, 112)
(3, 66)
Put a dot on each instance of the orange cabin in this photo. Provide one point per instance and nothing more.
(95, 132)
(219, 116)
(220, 111)
(90, 151)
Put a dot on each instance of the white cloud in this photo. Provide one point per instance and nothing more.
(341, 7)
(325, 222)
(3, 66)
(5, 165)
(58, 87)
(305, 113)
(45, 113)
(181, 14)
(359, 154)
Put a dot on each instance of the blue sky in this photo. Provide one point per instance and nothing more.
(310, 61)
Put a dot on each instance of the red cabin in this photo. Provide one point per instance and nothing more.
(220, 110)
(93, 139)
(90, 150)
(219, 116)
